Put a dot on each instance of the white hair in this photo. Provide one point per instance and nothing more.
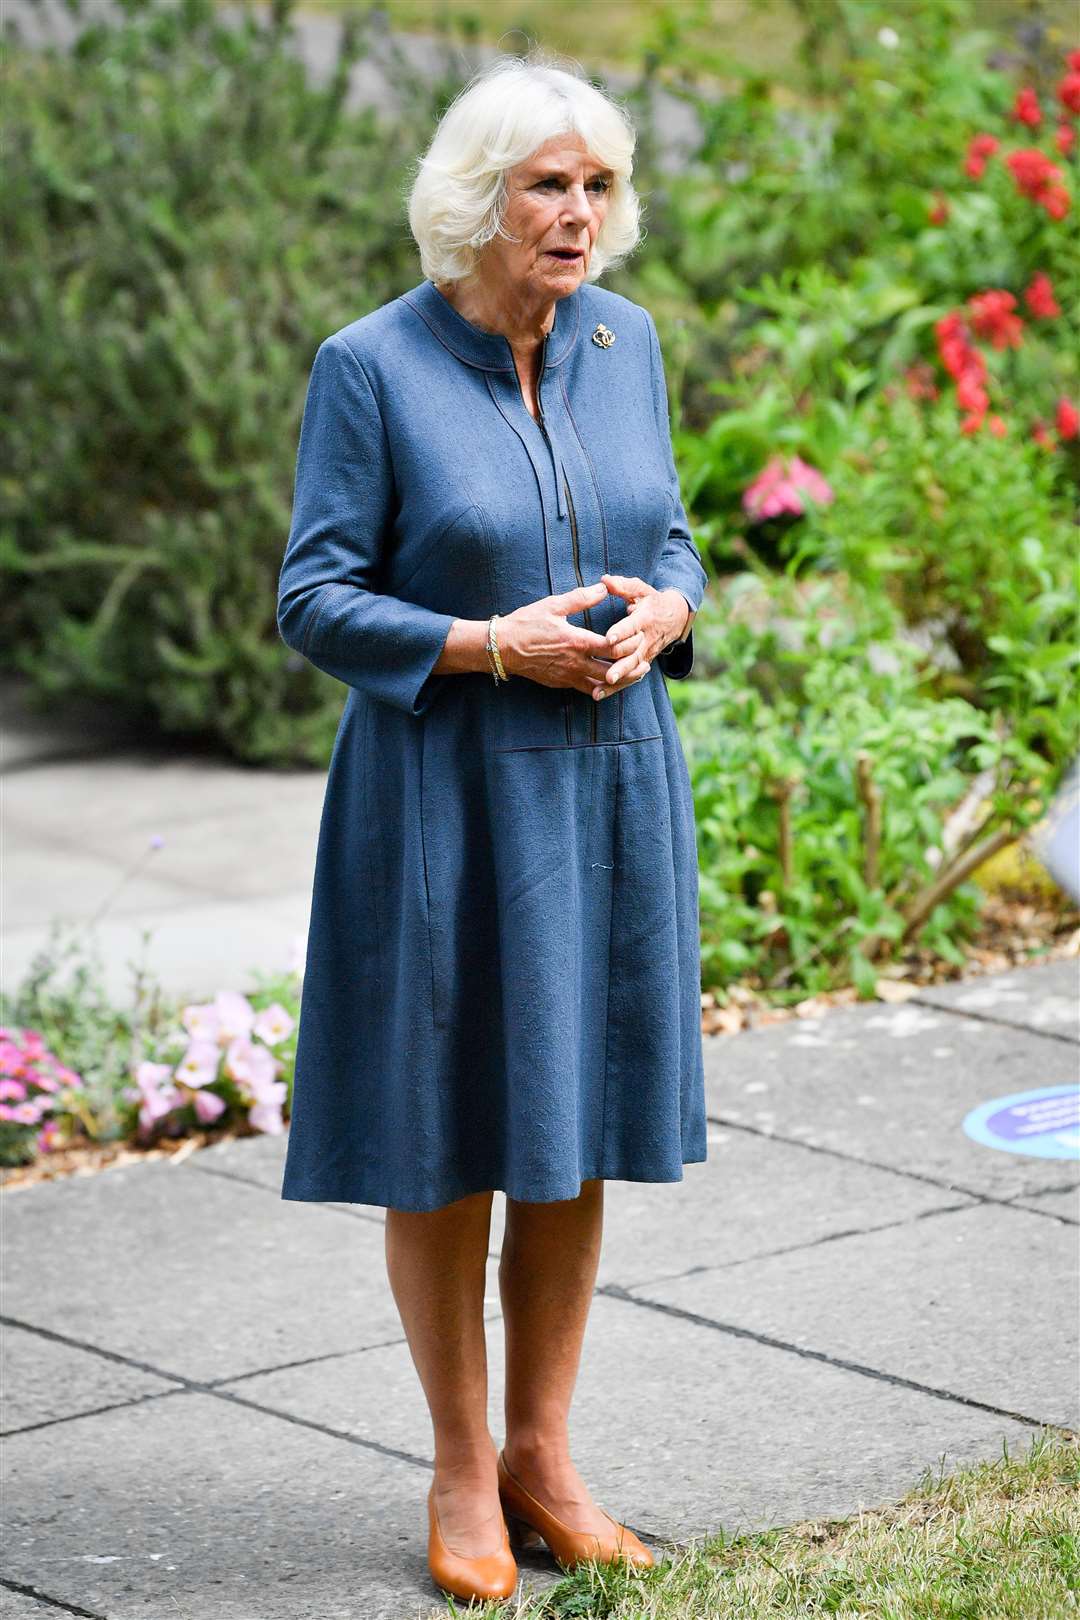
(504, 113)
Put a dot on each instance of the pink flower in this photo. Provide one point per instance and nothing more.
(156, 1104)
(149, 1076)
(781, 488)
(48, 1137)
(251, 1066)
(273, 1024)
(208, 1106)
(12, 1089)
(201, 1021)
(266, 1116)
(199, 1064)
(235, 1015)
(27, 1113)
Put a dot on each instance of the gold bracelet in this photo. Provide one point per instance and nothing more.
(492, 649)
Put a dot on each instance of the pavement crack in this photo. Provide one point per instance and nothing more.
(90, 1411)
(194, 1386)
(809, 1243)
(876, 1164)
(897, 1380)
(1002, 1023)
(49, 1602)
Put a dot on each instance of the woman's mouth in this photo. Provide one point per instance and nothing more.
(568, 255)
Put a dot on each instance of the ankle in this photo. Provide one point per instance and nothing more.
(461, 1461)
(537, 1452)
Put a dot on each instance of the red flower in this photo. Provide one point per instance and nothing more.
(980, 147)
(997, 427)
(1042, 435)
(1038, 178)
(1065, 139)
(1072, 61)
(940, 211)
(1068, 92)
(1026, 109)
(1039, 297)
(971, 394)
(1032, 170)
(1056, 202)
(992, 318)
(1067, 419)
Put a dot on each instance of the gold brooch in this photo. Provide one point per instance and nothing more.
(603, 336)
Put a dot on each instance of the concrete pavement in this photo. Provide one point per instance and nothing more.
(210, 1407)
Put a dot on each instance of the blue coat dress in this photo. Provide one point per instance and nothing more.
(502, 979)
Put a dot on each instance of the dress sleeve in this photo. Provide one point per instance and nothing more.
(328, 605)
(680, 566)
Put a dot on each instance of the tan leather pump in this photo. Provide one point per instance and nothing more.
(569, 1546)
(492, 1575)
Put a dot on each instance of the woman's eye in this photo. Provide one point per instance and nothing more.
(599, 183)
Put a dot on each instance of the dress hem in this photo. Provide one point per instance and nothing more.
(469, 1191)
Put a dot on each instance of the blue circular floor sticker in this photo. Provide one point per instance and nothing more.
(1044, 1123)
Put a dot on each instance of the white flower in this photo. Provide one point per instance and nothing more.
(889, 38)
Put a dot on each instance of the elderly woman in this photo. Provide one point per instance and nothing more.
(502, 989)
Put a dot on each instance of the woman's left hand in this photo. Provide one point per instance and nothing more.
(654, 620)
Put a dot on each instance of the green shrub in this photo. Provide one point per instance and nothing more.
(186, 218)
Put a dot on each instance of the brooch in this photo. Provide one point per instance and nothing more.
(604, 337)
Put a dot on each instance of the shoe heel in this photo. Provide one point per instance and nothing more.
(523, 1538)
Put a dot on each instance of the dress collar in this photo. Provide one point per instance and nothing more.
(490, 351)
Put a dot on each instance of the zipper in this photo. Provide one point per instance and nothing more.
(585, 611)
(559, 473)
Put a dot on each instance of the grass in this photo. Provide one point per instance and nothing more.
(998, 1540)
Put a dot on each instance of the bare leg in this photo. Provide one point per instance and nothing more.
(435, 1260)
(547, 1272)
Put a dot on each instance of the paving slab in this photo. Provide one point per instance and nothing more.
(225, 834)
(1064, 1203)
(19, 1606)
(198, 1507)
(195, 1276)
(194, 949)
(723, 1213)
(1043, 997)
(717, 1215)
(983, 1303)
(42, 1381)
(890, 1085)
(89, 884)
(679, 1429)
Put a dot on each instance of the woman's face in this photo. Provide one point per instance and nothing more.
(557, 199)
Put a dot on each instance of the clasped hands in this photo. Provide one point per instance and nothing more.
(536, 641)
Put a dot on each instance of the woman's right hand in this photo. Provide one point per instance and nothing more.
(536, 641)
